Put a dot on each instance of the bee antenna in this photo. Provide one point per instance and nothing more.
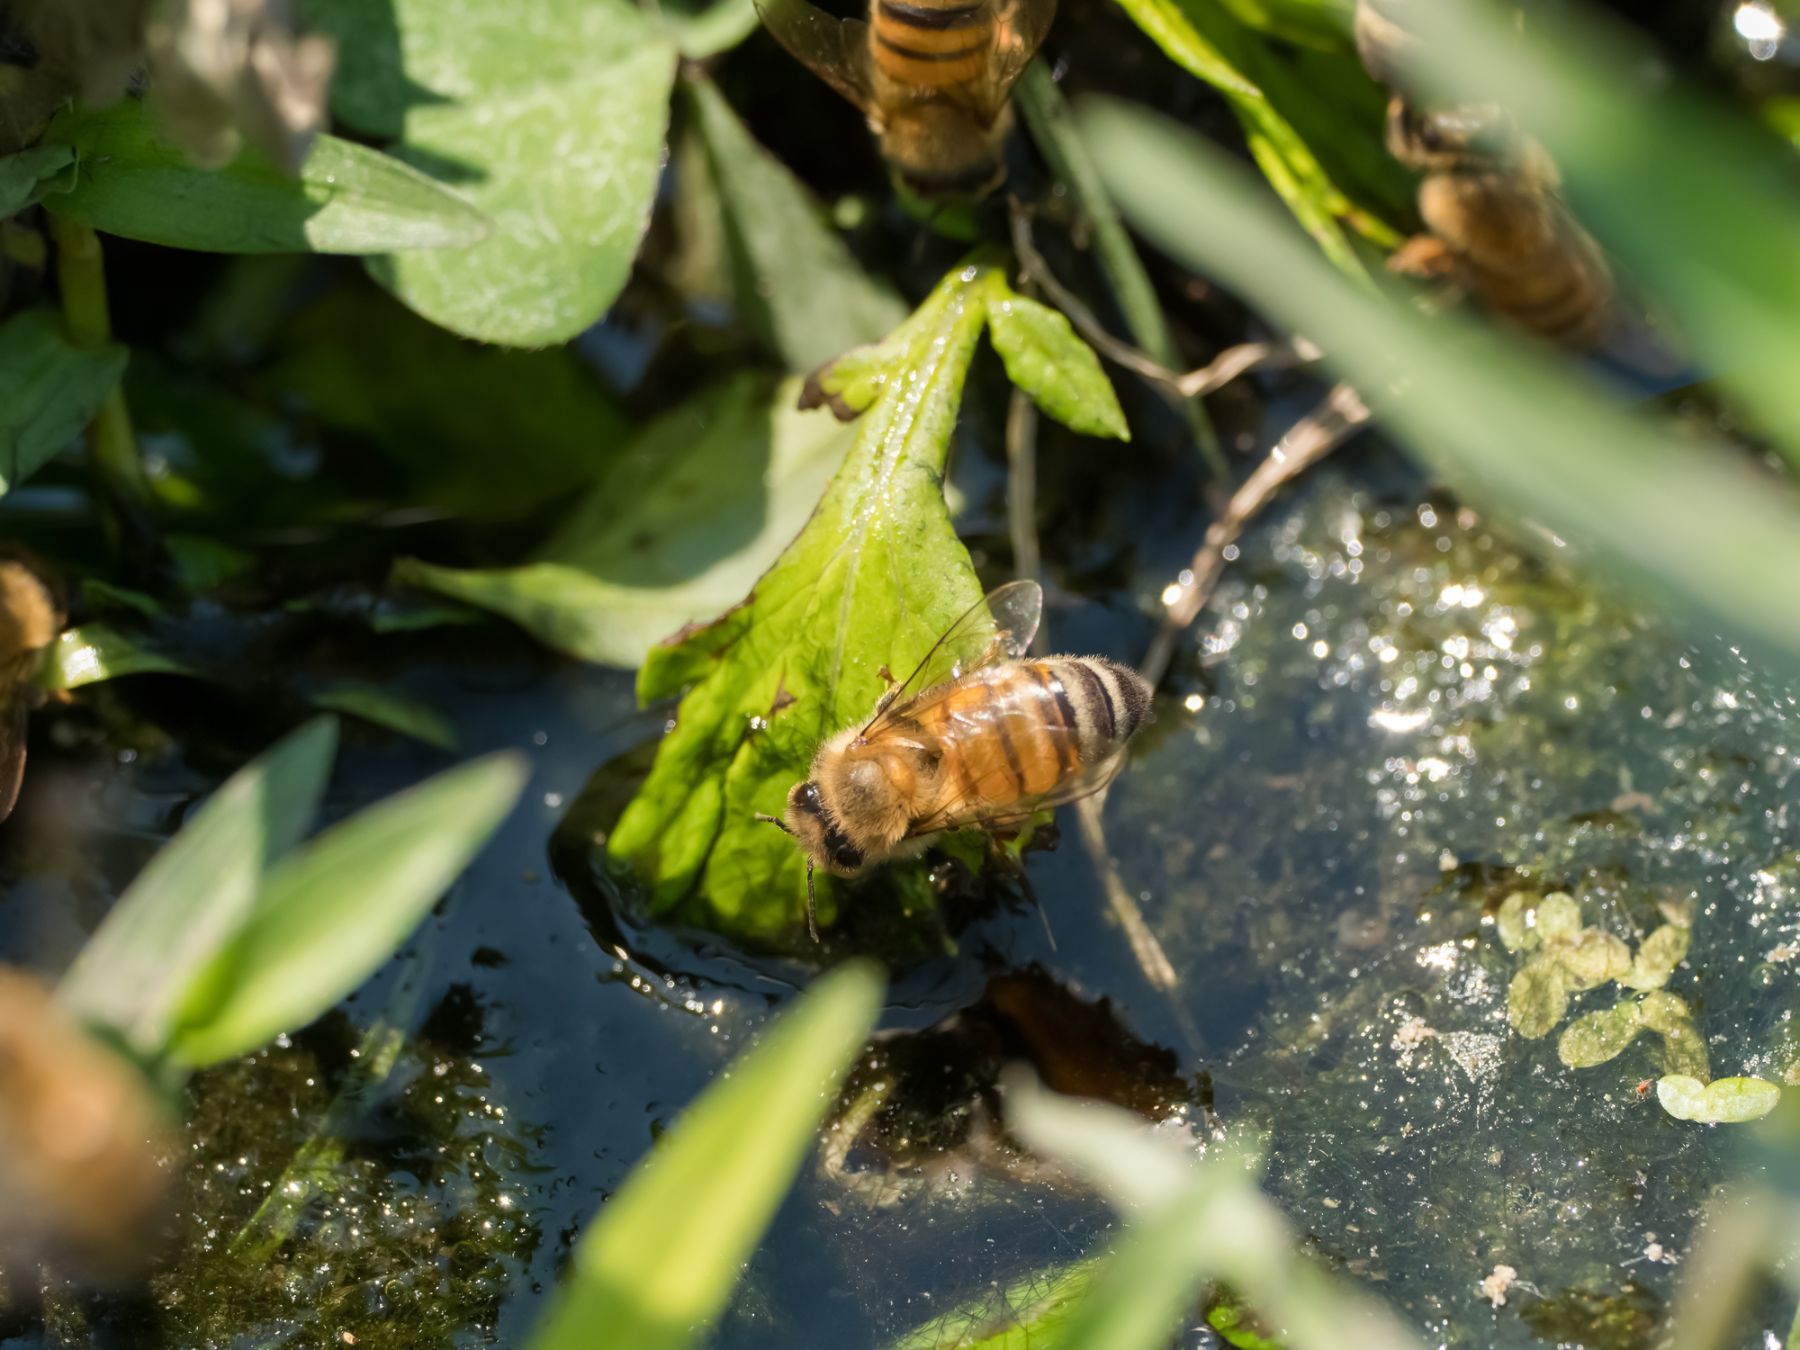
(776, 821)
(812, 913)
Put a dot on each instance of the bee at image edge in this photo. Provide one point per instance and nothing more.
(977, 737)
(932, 76)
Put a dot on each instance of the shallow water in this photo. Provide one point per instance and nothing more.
(1392, 719)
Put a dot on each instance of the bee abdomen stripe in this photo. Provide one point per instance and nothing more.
(931, 16)
(1068, 748)
(915, 54)
(1128, 696)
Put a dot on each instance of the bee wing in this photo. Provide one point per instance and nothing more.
(1019, 29)
(998, 627)
(973, 805)
(837, 50)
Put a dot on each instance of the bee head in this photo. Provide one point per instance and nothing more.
(941, 152)
(818, 834)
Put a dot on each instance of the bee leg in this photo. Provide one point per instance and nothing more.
(893, 691)
(812, 909)
(1008, 862)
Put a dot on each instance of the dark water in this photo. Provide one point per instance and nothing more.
(1391, 717)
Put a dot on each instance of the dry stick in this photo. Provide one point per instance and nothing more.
(1306, 443)
(1021, 487)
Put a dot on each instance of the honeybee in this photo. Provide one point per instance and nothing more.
(976, 737)
(31, 617)
(932, 77)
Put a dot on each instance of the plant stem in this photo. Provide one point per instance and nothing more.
(112, 445)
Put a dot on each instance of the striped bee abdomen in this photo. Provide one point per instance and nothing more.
(930, 44)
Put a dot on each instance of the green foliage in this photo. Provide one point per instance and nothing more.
(794, 280)
(659, 1264)
(130, 181)
(1686, 522)
(388, 708)
(50, 388)
(548, 116)
(716, 488)
(1020, 1316)
(101, 651)
(24, 174)
(1060, 371)
(873, 580)
(1726, 1101)
(328, 914)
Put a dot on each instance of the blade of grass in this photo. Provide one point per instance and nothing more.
(192, 896)
(331, 913)
(1682, 520)
(658, 1265)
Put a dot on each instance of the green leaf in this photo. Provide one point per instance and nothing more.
(1511, 922)
(1503, 422)
(874, 579)
(1045, 359)
(717, 27)
(1684, 1048)
(657, 1267)
(1026, 1313)
(548, 115)
(23, 174)
(796, 282)
(49, 390)
(329, 914)
(1557, 918)
(1538, 997)
(98, 651)
(1657, 958)
(1726, 1101)
(1600, 1036)
(1591, 958)
(388, 708)
(347, 198)
(717, 488)
(192, 896)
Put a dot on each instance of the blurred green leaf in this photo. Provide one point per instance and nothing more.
(797, 284)
(1537, 997)
(1506, 425)
(98, 651)
(1725, 1101)
(484, 432)
(1557, 918)
(1657, 958)
(22, 174)
(716, 489)
(131, 182)
(49, 390)
(193, 895)
(1045, 359)
(1024, 1314)
(1600, 1036)
(547, 115)
(713, 27)
(1512, 924)
(658, 1265)
(1592, 958)
(327, 915)
(873, 579)
(388, 708)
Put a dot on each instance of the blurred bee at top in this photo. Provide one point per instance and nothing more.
(932, 76)
(1489, 196)
(31, 617)
(975, 738)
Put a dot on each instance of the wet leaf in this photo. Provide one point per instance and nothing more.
(1045, 359)
(1557, 918)
(1657, 958)
(548, 116)
(328, 914)
(874, 578)
(98, 651)
(23, 174)
(796, 282)
(1726, 1101)
(193, 895)
(1600, 1036)
(1512, 923)
(388, 708)
(717, 488)
(1025, 1313)
(657, 1266)
(49, 390)
(1537, 998)
(1592, 958)
(1665, 1012)
(131, 182)
(1684, 1048)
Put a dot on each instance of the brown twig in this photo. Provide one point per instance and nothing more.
(1306, 443)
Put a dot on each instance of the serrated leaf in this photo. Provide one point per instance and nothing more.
(193, 895)
(1537, 998)
(874, 578)
(549, 116)
(347, 198)
(796, 282)
(23, 174)
(327, 915)
(1657, 957)
(657, 1267)
(1047, 360)
(717, 489)
(49, 390)
(1726, 1101)
(1599, 1036)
